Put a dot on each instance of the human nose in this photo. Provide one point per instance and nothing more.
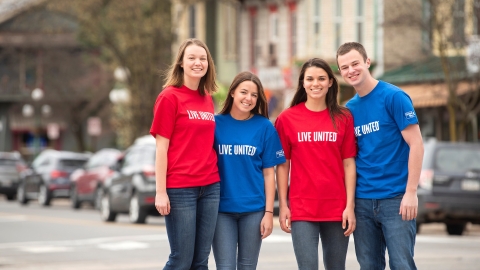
(350, 69)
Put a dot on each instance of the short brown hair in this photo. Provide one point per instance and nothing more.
(174, 74)
(261, 107)
(347, 47)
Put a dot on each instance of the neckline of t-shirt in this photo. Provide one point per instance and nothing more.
(372, 93)
(304, 107)
(185, 88)
(240, 121)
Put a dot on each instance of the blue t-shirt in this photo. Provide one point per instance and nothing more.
(244, 149)
(382, 158)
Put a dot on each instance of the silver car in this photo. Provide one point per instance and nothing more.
(11, 165)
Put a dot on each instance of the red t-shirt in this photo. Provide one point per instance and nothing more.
(186, 118)
(316, 152)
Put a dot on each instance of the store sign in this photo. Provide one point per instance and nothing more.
(473, 54)
(275, 78)
(53, 131)
(94, 126)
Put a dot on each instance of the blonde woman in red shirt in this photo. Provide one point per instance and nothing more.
(187, 179)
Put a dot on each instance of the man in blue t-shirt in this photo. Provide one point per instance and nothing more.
(389, 161)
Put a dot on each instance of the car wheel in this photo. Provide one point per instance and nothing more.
(10, 197)
(456, 228)
(137, 214)
(21, 196)
(44, 196)
(105, 210)
(75, 202)
(97, 203)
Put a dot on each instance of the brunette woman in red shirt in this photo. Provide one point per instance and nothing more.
(318, 138)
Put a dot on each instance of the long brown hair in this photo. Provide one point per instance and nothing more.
(261, 107)
(335, 110)
(174, 74)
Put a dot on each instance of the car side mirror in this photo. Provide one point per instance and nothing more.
(117, 165)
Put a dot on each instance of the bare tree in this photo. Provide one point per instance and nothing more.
(134, 34)
(440, 30)
(448, 21)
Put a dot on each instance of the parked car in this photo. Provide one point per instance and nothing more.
(49, 176)
(131, 188)
(449, 187)
(11, 165)
(87, 182)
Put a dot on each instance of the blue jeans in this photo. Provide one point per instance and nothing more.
(191, 226)
(305, 244)
(242, 229)
(380, 226)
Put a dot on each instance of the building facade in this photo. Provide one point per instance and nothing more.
(39, 53)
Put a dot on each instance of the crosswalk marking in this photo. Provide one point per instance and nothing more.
(125, 245)
(45, 249)
(12, 218)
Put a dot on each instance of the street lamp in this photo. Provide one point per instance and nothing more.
(119, 93)
(29, 110)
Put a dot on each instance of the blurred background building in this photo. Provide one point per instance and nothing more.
(430, 48)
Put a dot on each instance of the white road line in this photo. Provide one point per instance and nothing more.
(13, 218)
(278, 239)
(45, 249)
(126, 245)
(86, 242)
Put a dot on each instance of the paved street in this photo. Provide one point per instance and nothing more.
(34, 237)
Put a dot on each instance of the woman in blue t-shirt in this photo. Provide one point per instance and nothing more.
(248, 148)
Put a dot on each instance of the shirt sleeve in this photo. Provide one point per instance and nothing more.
(273, 153)
(164, 115)
(402, 111)
(279, 126)
(349, 144)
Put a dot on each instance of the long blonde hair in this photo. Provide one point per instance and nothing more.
(174, 74)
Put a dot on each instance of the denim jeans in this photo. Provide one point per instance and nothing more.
(380, 227)
(305, 244)
(242, 229)
(191, 226)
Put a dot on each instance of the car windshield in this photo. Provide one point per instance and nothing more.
(111, 159)
(140, 156)
(458, 159)
(7, 162)
(71, 163)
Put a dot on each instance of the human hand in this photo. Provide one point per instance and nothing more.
(266, 226)
(349, 221)
(409, 206)
(285, 219)
(162, 203)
